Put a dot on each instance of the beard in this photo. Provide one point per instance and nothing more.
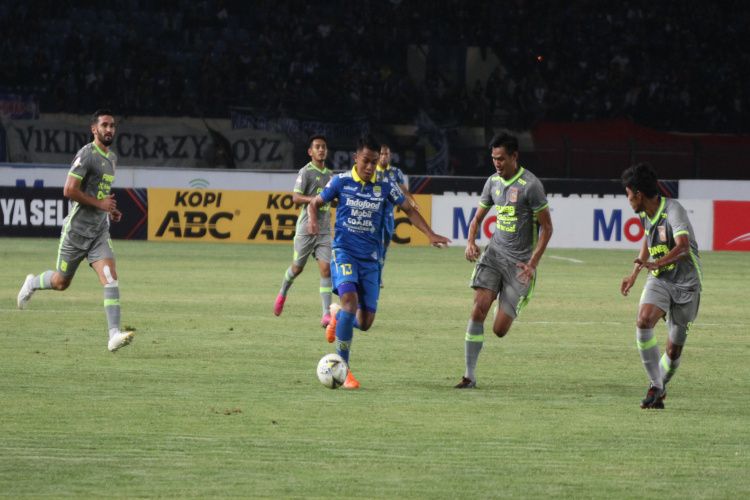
(107, 141)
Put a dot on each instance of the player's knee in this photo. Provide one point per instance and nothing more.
(643, 321)
(60, 282)
(501, 331)
(502, 327)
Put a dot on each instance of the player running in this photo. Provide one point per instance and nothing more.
(396, 176)
(85, 231)
(310, 181)
(673, 287)
(507, 268)
(355, 266)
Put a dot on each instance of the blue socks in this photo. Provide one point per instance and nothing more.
(344, 333)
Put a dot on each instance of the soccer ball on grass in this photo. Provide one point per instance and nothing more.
(332, 370)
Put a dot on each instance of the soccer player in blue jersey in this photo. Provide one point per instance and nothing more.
(396, 176)
(673, 288)
(357, 241)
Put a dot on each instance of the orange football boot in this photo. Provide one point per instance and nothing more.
(351, 382)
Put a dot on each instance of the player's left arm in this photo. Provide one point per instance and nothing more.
(418, 221)
(545, 233)
(409, 196)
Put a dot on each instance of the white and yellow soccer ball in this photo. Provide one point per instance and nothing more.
(332, 370)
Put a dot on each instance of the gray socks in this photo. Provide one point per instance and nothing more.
(473, 344)
(112, 306)
(649, 351)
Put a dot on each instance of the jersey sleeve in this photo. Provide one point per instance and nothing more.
(678, 219)
(80, 166)
(537, 198)
(486, 201)
(400, 177)
(332, 189)
(395, 194)
(300, 185)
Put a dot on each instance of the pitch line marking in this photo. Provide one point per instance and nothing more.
(568, 259)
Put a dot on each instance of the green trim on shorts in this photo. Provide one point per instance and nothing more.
(697, 267)
(642, 346)
(64, 233)
(524, 300)
(474, 338)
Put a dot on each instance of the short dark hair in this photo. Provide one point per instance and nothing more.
(100, 112)
(504, 140)
(316, 137)
(641, 177)
(369, 142)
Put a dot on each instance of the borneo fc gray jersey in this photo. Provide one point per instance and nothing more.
(671, 220)
(516, 201)
(310, 181)
(96, 171)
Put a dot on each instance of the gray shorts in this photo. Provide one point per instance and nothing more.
(317, 245)
(74, 247)
(680, 305)
(501, 276)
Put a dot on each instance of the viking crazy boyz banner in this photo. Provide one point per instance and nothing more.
(146, 141)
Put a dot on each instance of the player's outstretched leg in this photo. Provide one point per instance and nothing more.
(325, 298)
(473, 343)
(654, 398)
(331, 327)
(31, 284)
(117, 338)
(286, 284)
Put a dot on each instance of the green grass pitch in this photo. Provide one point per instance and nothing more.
(217, 397)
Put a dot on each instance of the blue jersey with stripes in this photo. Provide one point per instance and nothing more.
(361, 212)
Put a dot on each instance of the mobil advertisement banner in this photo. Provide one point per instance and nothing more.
(244, 217)
(40, 212)
(732, 225)
(148, 141)
(577, 222)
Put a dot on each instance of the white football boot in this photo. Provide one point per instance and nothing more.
(119, 339)
(26, 292)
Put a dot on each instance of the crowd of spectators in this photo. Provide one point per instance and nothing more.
(675, 65)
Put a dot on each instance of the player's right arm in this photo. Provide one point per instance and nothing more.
(629, 281)
(472, 250)
(329, 193)
(72, 191)
(312, 214)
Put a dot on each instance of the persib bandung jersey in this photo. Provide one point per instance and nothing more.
(671, 220)
(96, 171)
(516, 201)
(360, 213)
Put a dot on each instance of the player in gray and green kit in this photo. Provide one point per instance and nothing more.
(507, 268)
(673, 287)
(311, 180)
(85, 232)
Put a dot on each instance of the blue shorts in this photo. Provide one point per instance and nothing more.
(364, 274)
